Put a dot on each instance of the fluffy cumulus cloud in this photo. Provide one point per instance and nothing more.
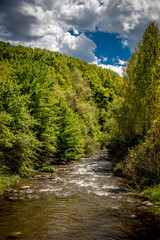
(128, 18)
(49, 23)
(116, 68)
(82, 15)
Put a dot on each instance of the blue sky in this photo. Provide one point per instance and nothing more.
(102, 32)
(109, 47)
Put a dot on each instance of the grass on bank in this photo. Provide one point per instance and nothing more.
(6, 181)
(153, 195)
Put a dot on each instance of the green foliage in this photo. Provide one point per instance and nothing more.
(70, 141)
(50, 107)
(142, 163)
(153, 195)
(133, 118)
(145, 79)
(48, 169)
(80, 99)
(6, 181)
(18, 143)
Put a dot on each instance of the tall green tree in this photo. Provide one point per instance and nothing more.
(70, 140)
(134, 114)
(80, 99)
(18, 143)
(143, 74)
(136, 106)
(35, 80)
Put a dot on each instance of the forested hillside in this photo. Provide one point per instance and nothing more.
(134, 115)
(58, 108)
(52, 107)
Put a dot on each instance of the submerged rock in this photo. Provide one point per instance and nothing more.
(14, 235)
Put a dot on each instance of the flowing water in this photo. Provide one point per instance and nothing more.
(81, 200)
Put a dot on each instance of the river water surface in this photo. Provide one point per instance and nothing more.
(81, 200)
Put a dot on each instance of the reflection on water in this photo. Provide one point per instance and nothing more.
(82, 200)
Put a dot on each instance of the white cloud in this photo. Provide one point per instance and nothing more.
(81, 15)
(125, 42)
(65, 44)
(121, 62)
(128, 18)
(105, 59)
(79, 47)
(75, 31)
(115, 68)
(46, 23)
(49, 27)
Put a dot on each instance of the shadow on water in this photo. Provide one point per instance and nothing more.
(81, 201)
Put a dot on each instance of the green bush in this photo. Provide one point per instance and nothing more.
(49, 169)
(142, 164)
(153, 195)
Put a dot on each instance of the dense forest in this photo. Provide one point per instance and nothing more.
(55, 107)
(52, 108)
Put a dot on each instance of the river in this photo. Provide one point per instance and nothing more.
(80, 201)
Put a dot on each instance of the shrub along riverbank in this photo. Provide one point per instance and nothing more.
(153, 195)
(134, 117)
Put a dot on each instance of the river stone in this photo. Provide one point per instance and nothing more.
(10, 190)
(12, 198)
(25, 187)
(147, 203)
(43, 177)
(63, 169)
(132, 216)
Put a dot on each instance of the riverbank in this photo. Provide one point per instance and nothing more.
(6, 181)
(151, 194)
